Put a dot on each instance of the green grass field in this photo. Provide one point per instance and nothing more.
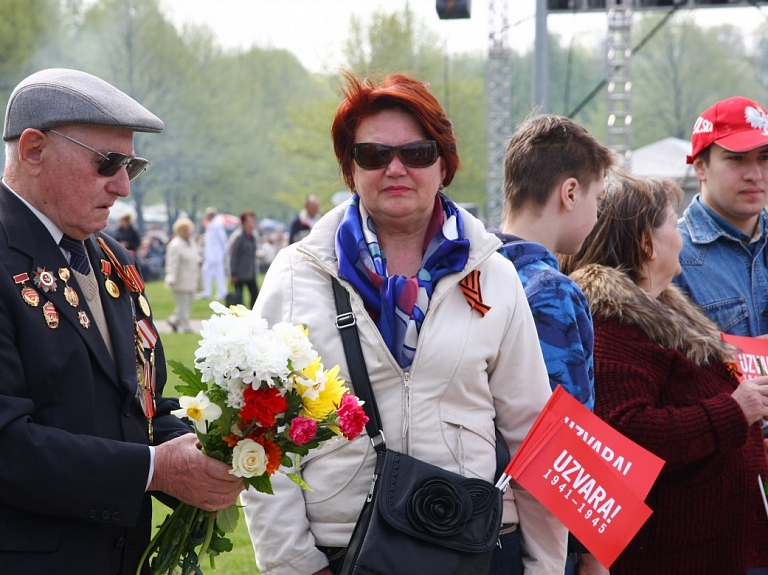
(181, 347)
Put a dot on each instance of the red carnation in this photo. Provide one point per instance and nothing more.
(303, 430)
(352, 418)
(262, 405)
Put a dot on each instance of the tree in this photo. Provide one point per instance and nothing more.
(681, 71)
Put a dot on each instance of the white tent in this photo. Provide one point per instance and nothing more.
(666, 159)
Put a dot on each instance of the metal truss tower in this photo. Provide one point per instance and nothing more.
(619, 79)
(499, 116)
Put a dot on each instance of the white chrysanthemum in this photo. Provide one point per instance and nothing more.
(238, 349)
(296, 339)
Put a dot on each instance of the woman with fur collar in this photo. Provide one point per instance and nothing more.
(664, 378)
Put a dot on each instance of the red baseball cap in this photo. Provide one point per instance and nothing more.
(736, 124)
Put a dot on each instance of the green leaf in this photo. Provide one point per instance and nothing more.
(191, 379)
(299, 481)
(226, 519)
(220, 545)
(260, 483)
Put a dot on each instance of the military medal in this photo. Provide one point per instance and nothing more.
(144, 305)
(51, 315)
(84, 320)
(69, 292)
(146, 339)
(111, 287)
(28, 294)
(45, 280)
(130, 276)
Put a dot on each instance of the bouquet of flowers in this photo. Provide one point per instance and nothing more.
(259, 399)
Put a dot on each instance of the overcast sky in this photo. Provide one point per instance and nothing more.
(315, 30)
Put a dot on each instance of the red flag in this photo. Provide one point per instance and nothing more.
(752, 353)
(587, 474)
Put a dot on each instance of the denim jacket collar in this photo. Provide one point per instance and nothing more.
(704, 229)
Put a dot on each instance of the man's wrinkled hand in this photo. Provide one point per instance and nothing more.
(186, 473)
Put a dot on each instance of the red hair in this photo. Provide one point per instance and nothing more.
(364, 98)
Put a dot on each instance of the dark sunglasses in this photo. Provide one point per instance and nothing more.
(113, 161)
(371, 156)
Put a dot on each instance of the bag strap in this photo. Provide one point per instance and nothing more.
(347, 326)
(346, 323)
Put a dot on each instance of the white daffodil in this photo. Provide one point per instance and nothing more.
(199, 409)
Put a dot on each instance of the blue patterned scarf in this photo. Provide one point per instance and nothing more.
(396, 303)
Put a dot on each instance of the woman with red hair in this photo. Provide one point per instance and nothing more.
(447, 364)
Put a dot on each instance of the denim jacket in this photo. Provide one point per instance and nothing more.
(725, 277)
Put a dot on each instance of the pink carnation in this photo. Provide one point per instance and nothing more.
(302, 430)
(352, 418)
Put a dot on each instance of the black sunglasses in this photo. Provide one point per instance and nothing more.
(113, 161)
(371, 156)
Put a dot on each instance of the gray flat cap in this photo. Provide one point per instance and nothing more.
(58, 96)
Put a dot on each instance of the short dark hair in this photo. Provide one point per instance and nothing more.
(246, 214)
(704, 155)
(543, 151)
(631, 208)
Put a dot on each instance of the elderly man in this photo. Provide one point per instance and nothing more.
(85, 433)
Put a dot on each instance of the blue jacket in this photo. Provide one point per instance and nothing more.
(561, 314)
(723, 274)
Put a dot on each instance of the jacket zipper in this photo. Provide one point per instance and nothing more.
(406, 405)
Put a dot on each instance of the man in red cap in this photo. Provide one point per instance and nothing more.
(724, 259)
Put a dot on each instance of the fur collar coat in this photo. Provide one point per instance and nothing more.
(672, 320)
(661, 379)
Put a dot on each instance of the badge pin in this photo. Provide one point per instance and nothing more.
(51, 315)
(71, 296)
(45, 280)
(84, 320)
(28, 294)
(69, 292)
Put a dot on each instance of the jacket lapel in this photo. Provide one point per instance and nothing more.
(27, 235)
(119, 313)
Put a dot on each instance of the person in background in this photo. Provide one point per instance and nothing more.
(214, 259)
(665, 379)
(725, 228)
(209, 213)
(182, 273)
(445, 329)
(126, 233)
(242, 258)
(302, 224)
(83, 444)
(549, 208)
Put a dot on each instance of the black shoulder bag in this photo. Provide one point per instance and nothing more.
(418, 519)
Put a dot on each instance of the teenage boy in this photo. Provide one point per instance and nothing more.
(554, 172)
(724, 258)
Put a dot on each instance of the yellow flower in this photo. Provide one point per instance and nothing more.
(320, 405)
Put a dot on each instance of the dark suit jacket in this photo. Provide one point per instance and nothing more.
(74, 460)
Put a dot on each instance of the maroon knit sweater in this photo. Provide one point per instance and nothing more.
(708, 517)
